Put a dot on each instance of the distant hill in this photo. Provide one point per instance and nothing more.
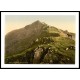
(39, 43)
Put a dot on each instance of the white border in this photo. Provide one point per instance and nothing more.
(39, 13)
(76, 65)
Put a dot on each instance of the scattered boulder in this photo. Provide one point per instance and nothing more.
(37, 54)
(37, 40)
(71, 47)
(67, 49)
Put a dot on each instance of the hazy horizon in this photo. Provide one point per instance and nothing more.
(64, 22)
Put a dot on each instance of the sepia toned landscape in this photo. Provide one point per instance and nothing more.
(40, 43)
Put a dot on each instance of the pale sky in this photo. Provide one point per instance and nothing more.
(64, 22)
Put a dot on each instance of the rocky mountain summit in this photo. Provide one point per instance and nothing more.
(39, 43)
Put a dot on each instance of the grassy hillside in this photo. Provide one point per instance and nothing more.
(47, 45)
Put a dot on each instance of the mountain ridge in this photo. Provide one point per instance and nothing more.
(26, 40)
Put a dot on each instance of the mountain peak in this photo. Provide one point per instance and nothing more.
(37, 22)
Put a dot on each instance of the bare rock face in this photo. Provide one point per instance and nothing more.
(37, 55)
